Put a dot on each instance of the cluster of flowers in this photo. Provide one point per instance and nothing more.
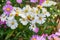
(28, 14)
(55, 36)
(46, 2)
(41, 2)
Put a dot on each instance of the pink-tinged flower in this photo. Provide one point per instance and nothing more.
(19, 1)
(41, 37)
(49, 37)
(34, 37)
(8, 2)
(36, 30)
(38, 38)
(45, 35)
(41, 1)
(33, 1)
(56, 38)
(57, 33)
(3, 23)
(7, 9)
(53, 35)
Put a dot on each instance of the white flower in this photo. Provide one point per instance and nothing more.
(41, 19)
(23, 21)
(3, 17)
(35, 10)
(13, 12)
(12, 24)
(34, 20)
(30, 16)
(10, 17)
(32, 27)
(16, 11)
(48, 3)
(46, 14)
(44, 11)
(26, 9)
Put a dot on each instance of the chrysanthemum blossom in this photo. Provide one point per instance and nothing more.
(36, 29)
(19, 1)
(7, 9)
(8, 2)
(41, 1)
(33, 1)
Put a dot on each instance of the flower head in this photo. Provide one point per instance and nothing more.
(19, 1)
(41, 1)
(8, 2)
(57, 33)
(33, 1)
(34, 37)
(48, 3)
(41, 19)
(3, 17)
(12, 24)
(7, 9)
(36, 29)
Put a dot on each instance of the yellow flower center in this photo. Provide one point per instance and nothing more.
(39, 6)
(40, 18)
(23, 19)
(44, 12)
(47, 1)
(32, 18)
(17, 13)
(34, 39)
(29, 17)
(26, 11)
(12, 23)
(11, 14)
(8, 9)
(37, 11)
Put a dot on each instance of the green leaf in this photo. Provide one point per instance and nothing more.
(17, 18)
(9, 34)
(17, 34)
(49, 31)
(20, 26)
